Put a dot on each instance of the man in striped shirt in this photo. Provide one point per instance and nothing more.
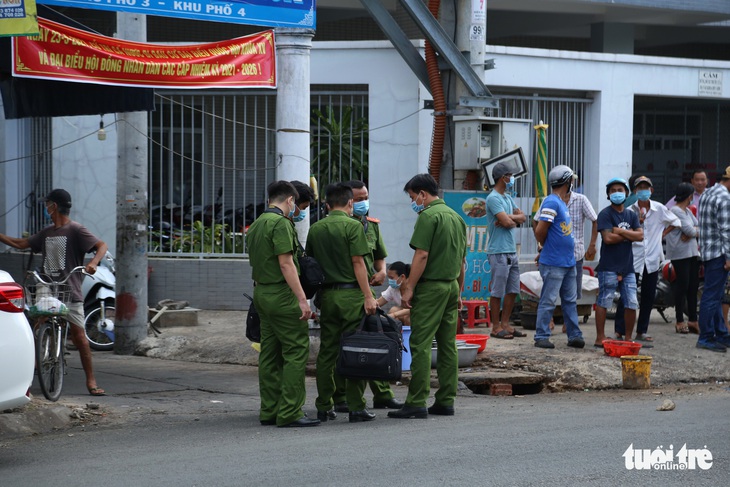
(714, 216)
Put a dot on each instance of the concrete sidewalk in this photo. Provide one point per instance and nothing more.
(211, 368)
(220, 338)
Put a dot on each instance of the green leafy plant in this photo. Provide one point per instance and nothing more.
(202, 239)
(339, 145)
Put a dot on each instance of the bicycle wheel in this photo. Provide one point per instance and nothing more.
(49, 360)
(99, 326)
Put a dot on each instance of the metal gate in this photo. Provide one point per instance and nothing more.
(212, 155)
(566, 117)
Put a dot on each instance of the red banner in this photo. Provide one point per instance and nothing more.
(63, 53)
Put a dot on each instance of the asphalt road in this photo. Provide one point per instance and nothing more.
(576, 438)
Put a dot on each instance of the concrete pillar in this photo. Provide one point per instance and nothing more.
(293, 48)
(612, 37)
(471, 40)
(131, 270)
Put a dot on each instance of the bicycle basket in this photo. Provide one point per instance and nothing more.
(47, 300)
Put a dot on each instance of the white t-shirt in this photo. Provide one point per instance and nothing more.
(392, 295)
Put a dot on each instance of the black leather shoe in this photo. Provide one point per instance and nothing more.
(360, 416)
(341, 407)
(325, 416)
(441, 410)
(301, 422)
(388, 404)
(407, 412)
(268, 422)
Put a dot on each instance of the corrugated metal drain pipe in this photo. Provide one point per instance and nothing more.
(439, 103)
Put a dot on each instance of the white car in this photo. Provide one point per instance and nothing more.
(17, 355)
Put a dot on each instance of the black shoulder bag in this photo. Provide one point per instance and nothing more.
(311, 276)
(253, 322)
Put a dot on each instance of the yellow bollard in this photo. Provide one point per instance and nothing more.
(636, 370)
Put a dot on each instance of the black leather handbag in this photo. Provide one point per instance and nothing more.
(373, 351)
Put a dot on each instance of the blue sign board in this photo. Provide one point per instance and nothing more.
(269, 13)
(472, 207)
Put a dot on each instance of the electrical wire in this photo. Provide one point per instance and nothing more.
(41, 153)
(225, 119)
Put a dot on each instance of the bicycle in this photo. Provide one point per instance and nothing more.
(48, 304)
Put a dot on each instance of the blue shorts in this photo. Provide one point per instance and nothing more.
(608, 284)
(505, 275)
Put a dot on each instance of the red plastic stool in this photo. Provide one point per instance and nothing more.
(472, 312)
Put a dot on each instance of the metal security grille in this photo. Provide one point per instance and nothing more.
(211, 156)
(40, 177)
(566, 117)
(339, 136)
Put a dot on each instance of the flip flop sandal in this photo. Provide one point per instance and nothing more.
(643, 337)
(97, 391)
(681, 328)
(503, 334)
(516, 334)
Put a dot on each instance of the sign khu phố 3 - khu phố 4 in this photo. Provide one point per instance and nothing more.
(270, 13)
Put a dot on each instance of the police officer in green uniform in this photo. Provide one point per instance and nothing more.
(383, 396)
(339, 245)
(283, 308)
(434, 293)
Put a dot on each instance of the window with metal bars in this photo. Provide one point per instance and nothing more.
(212, 155)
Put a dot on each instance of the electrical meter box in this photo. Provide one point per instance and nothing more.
(479, 139)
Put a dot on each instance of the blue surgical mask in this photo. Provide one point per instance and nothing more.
(46, 215)
(393, 283)
(291, 213)
(301, 216)
(511, 183)
(416, 207)
(643, 194)
(617, 198)
(361, 208)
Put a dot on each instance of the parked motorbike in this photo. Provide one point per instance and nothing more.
(99, 291)
(663, 298)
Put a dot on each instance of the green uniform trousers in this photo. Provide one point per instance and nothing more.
(381, 390)
(341, 311)
(284, 353)
(434, 314)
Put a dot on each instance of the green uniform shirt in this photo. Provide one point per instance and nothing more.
(333, 241)
(441, 232)
(375, 244)
(268, 237)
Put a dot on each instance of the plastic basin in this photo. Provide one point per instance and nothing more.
(474, 339)
(617, 348)
(466, 354)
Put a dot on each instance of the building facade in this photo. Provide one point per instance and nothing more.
(633, 86)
